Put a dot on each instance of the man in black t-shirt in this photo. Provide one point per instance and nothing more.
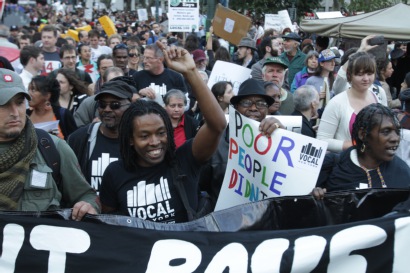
(155, 79)
(96, 145)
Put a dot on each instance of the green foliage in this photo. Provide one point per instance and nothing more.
(368, 5)
(261, 7)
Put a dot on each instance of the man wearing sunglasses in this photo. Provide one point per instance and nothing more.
(96, 145)
(253, 103)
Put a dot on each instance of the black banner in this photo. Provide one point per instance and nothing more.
(345, 232)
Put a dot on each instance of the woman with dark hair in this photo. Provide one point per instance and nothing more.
(223, 92)
(154, 174)
(384, 71)
(44, 106)
(72, 90)
(371, 162)
(84, 57)
(339, 115)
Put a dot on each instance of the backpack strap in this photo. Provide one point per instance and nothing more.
(51, 155)
(178, 182)
(92, 137)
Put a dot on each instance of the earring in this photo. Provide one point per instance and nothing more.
(362, 148)
(48, 106)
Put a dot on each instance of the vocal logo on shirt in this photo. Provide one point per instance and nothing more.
(310, 155)
(150, 202)
(97, 169)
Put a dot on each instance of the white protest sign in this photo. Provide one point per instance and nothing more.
(285, 19)
(153, 11)
(142, 14)
(273, 21)
(225, 71)
(183, 15)
(259, 167)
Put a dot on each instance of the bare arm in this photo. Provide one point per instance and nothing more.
(207, 139)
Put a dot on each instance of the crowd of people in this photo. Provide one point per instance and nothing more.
(139, 133)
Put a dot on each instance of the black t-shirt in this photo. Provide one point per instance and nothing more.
(170, 78)
(149, 192)
(106, 150)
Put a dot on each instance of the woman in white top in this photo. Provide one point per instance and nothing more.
(339, 115)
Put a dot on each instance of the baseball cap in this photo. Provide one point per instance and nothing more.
(275, 60)
(119, 89)
(198, 55)
(251, 87)
(292, 36)
(10, 85)
(14, 27)
(326, 55)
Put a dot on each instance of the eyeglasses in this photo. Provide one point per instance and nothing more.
(114, 105)
(248, 103)
(131, 55)
(120, 46)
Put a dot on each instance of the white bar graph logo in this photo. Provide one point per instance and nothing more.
(98, 167)
(150, 201)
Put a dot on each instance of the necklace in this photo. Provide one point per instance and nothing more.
(369, 179)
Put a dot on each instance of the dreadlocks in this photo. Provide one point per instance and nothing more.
(369, 117)
(138, 109)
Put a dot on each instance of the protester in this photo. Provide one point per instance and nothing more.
(84, 58)
(72, 90)
(292, 56)
(306, 101)
(44, 106)
(274, 91)
(223, 92)
(27, 181)
(120, 54)
(98, 141)
(149, 159)
(185, 127)
(274, 71)
(33, 61)
(269, 47)
(134, 55)
(385, 70)
(50, 50)
(371, 161)
(308, 71)
(323, 77)
(246, 52)
(155, 73)
(338, 117)
(253, 103)
(103, 63)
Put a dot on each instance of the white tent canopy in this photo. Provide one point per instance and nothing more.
(393, 23)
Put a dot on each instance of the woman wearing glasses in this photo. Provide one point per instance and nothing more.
(134, 60)
(44, 106)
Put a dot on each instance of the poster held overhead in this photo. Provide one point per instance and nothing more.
(230, 25)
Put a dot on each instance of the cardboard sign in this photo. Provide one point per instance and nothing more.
(230, 25)
(225, 71)
(260, 167)
(183, 15)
